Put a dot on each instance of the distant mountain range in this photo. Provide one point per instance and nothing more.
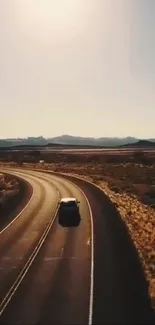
(140, 144)
(75, 141)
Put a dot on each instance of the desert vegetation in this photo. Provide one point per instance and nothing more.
(128, 178)
(9, 187)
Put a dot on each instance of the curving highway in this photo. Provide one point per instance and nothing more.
(57, 286)
(85, 275)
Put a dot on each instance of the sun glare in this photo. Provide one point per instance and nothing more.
(50, 15)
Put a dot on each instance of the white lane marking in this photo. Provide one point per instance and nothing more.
(72, 258)
(19, 258)
(4, 303)
(92, 233)
(92, 246)
(92, 260)
(18, 215)
(6, 258)
(92, 256)
(16, 173)
(62, 251)
(88, 241)
(50, 259)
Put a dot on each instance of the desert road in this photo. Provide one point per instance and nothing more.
(90, 274)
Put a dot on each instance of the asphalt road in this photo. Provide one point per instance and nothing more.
(56, 289)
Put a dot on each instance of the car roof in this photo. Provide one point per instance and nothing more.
(68, 199)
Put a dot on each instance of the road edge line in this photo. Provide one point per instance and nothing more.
(25, 269)
(18, 215)
(90, 316)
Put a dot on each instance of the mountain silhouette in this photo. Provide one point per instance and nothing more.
(76, 141)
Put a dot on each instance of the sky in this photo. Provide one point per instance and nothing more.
(78, 67)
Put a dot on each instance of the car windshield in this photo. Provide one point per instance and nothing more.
(69, 204)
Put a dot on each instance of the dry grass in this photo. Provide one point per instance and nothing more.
(9, 187)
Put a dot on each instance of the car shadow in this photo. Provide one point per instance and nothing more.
(71, 221)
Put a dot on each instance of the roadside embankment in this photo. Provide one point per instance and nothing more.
(15, 193)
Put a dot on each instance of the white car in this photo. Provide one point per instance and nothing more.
(68, 213)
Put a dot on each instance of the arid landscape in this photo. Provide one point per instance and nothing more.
(127, 178)
(77, 162)
(9, 187)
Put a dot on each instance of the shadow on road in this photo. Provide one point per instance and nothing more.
(120, 288)
(72, 220)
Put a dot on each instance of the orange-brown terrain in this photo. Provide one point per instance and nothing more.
(9, 187)
(127, 178)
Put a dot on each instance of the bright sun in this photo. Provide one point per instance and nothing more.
(50, 15)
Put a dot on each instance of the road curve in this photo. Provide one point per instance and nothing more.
(58, 282)
(57, 286)
(120, 294)
(16, 204)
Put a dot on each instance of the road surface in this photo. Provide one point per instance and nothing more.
(57, 288)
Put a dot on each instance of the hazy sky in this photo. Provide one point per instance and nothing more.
(79, 67)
